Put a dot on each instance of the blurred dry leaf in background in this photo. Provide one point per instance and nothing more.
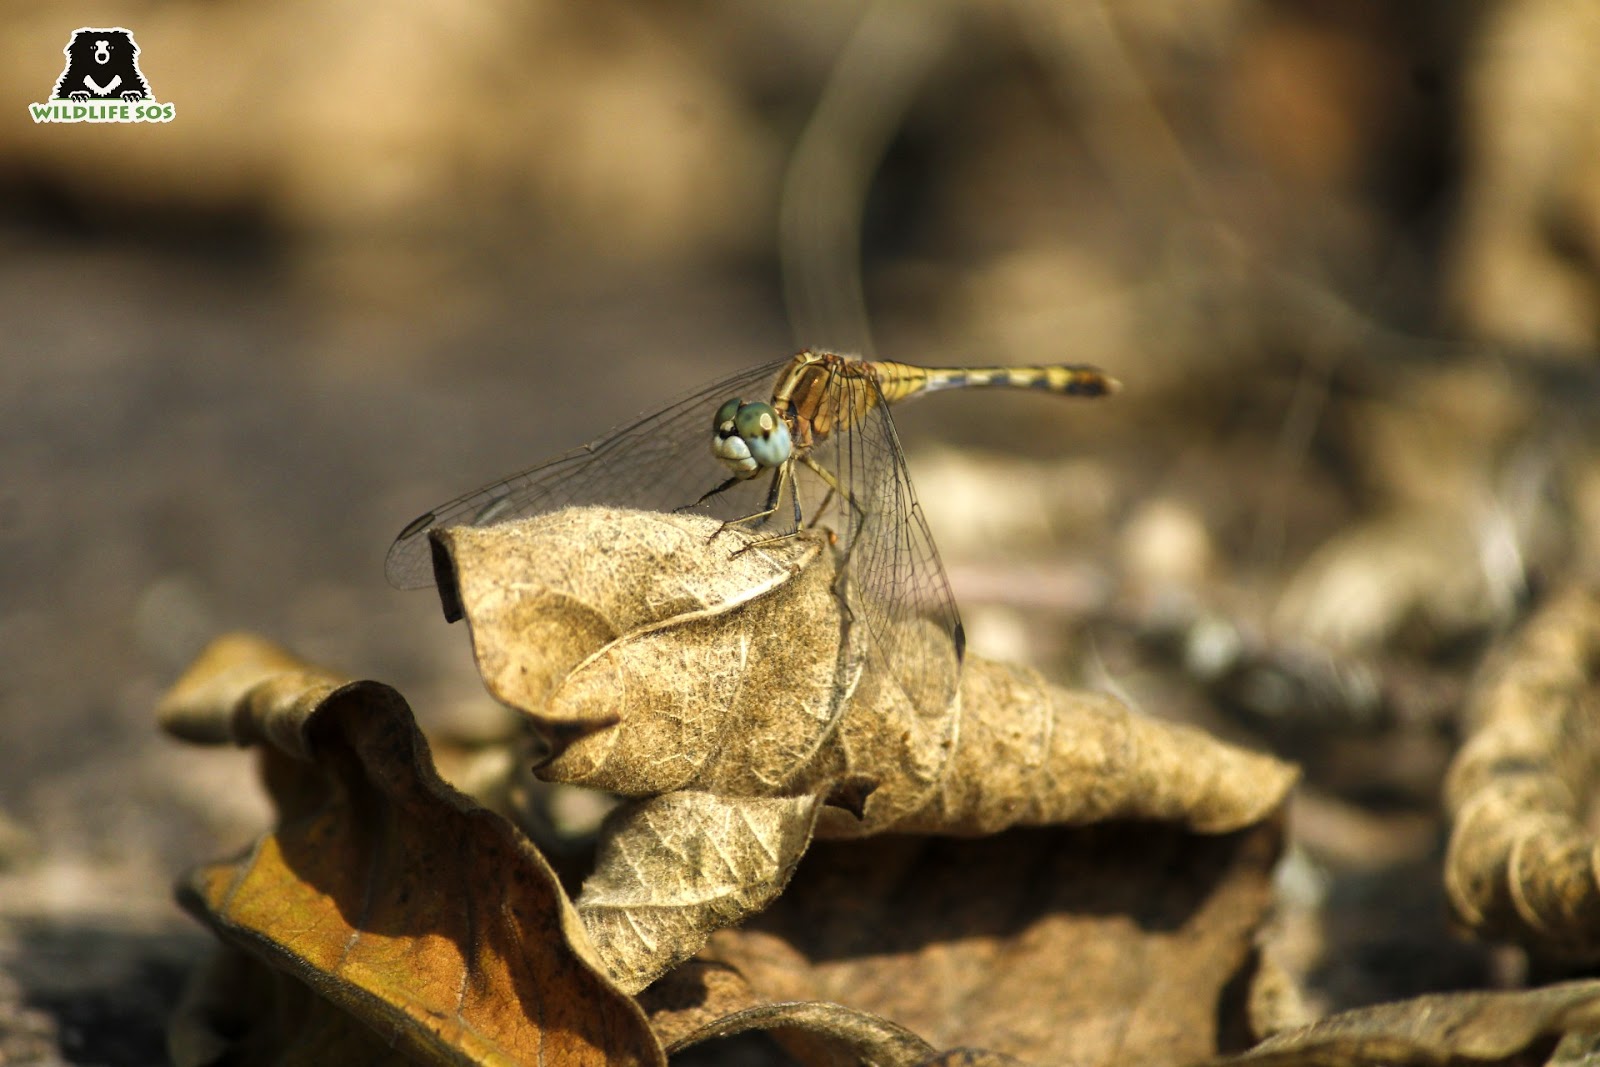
(1522, 861)
(1529, 240)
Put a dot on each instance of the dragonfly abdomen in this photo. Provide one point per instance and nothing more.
(826, 392)
(903, 380)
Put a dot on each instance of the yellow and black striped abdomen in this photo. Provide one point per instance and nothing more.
(829, 392)
(1065, 379)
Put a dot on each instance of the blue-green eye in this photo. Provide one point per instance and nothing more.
(765, 433)
(750, 437)
(757, 420)
(725, 415)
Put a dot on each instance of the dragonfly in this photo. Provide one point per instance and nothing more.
(815, 444)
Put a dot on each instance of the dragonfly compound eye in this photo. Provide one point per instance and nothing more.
(722, 425)
(728, 445)
(765, 433)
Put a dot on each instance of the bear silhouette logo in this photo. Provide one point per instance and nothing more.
(102, 81)
(101, 64)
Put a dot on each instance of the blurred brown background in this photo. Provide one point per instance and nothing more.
(1341, 252)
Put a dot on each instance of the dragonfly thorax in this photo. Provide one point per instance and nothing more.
(750, 438)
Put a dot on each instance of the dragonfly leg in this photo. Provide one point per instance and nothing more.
(794, 499)
(822, 508)
(834, 487)
(780, 478)
(841, 575)
(724, 487)
(774, 499)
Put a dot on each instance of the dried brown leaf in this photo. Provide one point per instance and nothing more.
(1029, 753)
(592, 617)
(1120, 943)
(389, 895)
(734, 673)
(674, 866)
(692, 998)
(704, 1000)
(1522, 862)
(1443, 1029)
(827, 1034)
(656, 657)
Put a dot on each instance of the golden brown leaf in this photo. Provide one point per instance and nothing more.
(1522, 862)
(656, 657)
(237, 1011)
(394, 898)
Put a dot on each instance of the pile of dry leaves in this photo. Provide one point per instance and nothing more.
(806, 847)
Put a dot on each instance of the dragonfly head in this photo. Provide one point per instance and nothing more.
(750, 438)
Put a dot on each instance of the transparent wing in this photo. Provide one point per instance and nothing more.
(660, 462)
(897, 581)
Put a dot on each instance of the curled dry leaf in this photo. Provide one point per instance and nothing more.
(1522, 862)
(1443, 1029)
(423, 918)
(657, 655)
(703, 1000)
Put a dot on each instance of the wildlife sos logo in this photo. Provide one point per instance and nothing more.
(101, 82)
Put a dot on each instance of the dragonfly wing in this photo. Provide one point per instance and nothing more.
(658, 462)
(897, 580)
